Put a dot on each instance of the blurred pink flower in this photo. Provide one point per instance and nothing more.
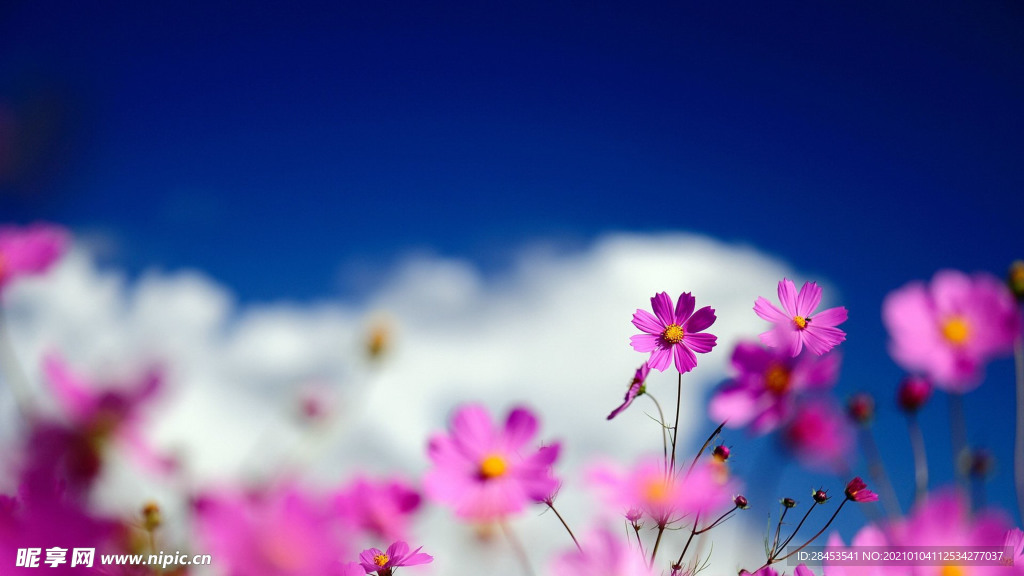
(950, 328)
(603, 554)
(636, 388)
(277, 532)
(763, 392)
(352, 569)
(108, 413)
(487, 473)
(669, 333)
(819, 435)
(398, 554)
(869, 535)
(382, 509)
(799, 325)
(705, 490)
(29, 250)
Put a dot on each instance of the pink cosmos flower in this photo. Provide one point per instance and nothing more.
(645, 487)
(763, 393)
(799, 325)
(672, 334)
(487, 473)
(113, 413)
(801, 570)
(604, 554)
(382, 509)
(398, 554)
(29, 250)
(950, 328)
(277, 532)
(857, 491)
(819, 436)
(636, 388)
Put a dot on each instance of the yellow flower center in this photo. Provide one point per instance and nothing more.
(956, 330)
(380, 559)
(800, 322)
(673, 334)
(657, 491)
(776, 380)
(493, 466)
(950, 570)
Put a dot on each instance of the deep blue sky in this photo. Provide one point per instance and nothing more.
(274, 145)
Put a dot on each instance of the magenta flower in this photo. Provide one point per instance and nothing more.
(669, 334)
(398, 554)
(857, 491)
(382, 509)
(352, 569)
(950, 328)
(29, 250)
(767, 384)
(604, 553)
(819, 435)
(486, 473)
(645, 487)
(636, 388)
(799, 326)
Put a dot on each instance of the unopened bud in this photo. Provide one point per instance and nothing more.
(741, 502)
(982, 463)
(861, 408)
(151, 516)
(820, 496)
(1015, 279)
(913, 393)
(721, 453)
(789, 503)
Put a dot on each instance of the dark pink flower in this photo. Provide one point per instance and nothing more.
(768, 382)
(487, 473)
(672, 334)
(382, 509)
(29, 250)
(913, 393)
(398, 554)
(604, 553)
(799, 325)
(950, 328)
(636, 388)
(857, 491)
(819, 435)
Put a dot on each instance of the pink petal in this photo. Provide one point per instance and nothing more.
(767, 311)
(808, 300)
(73, 393)
(644, 321)
(660, 359)
(519, 428)
(662, 306)
(645, 342)
(398, 550)
(785, 337)
(951, 291)
(701, 320)
(685, 359)
(831, 317)
(734, 405)
(787, 296)
(684, 307)
(472, 429)
(821, 339)
(701, 343)
(418, 558)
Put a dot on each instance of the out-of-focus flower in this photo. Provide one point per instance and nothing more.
(108, 413)
(869, 535)
(29, 250)
(603, 554)
(662, 498)
(799, 326)
(861, 408)
(382, 509)
(1015, 279)
(913, 393)
(857, 491)
(768, 381)
(398, 554)
(950, 328)
(487, 473)
(721, 453)
(275, 532)
(818, 435)
(669, 334)
(636, 388)
(352, 569)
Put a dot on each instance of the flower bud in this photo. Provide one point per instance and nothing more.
(151, 516)
(789, 503)
(861, 408)
(820, 496)
(741, 502)
(1015, 279)
(857, 491)
(913, 393)
(982, 463)
(721, 453)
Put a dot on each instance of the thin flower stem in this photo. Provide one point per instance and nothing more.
(517, 547)
(795, 530)
(664, 426)
(812, 539)
(920, 458)
(876, 468)
(778, 529)
(693, 532)
(1018, 451)
(639, 542)
(13, 373)
(551, 505)
(705, 447)
(675, 427)
(958, 437)
(720, 519)
(657, 542)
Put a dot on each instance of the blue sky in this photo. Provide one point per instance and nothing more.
(297, 151)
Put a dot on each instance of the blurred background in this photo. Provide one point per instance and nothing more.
(272, 180)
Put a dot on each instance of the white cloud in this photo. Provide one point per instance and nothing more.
(551, 332)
